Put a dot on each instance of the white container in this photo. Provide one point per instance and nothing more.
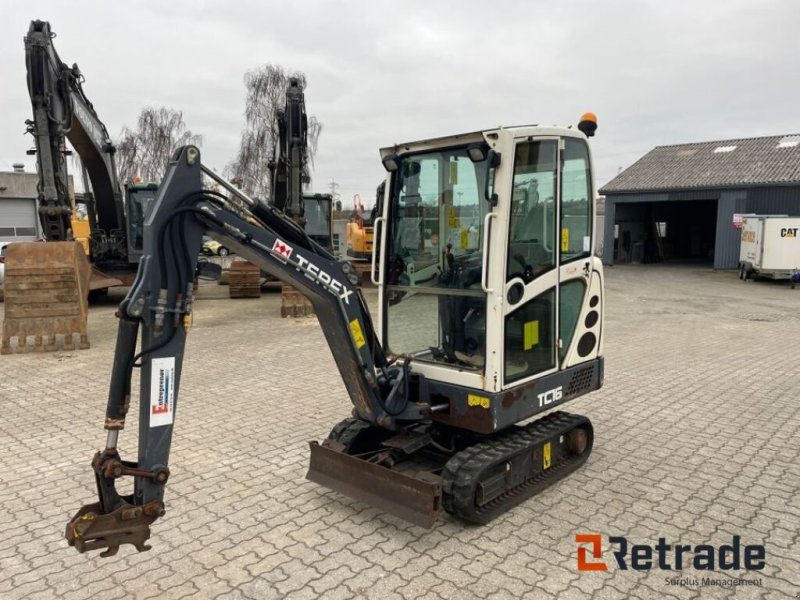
(770, 247)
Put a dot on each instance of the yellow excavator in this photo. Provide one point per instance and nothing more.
(360, 232)
(47, 284)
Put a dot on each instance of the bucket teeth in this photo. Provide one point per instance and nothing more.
(46, 293)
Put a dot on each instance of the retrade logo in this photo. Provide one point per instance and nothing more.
(668, 557)
(597, 552)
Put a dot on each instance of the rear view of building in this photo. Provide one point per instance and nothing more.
(682, 202)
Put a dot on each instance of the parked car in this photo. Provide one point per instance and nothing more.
(214, 248)
(2, 261)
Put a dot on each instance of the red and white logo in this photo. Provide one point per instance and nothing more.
(281, 250)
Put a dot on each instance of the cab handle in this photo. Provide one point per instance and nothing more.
(485, 251)
(376, 249)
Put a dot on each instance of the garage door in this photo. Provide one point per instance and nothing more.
(17, 219)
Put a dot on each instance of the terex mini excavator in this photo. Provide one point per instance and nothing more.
(509, 328)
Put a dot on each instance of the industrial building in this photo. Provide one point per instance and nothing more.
(682, 202)
(18, 219)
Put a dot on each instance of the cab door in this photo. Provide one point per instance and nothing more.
(530, 322)
(579, 276)
(548, 249)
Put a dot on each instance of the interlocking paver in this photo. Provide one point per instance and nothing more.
(696, 441)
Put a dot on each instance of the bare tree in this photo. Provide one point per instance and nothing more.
(266, 89)
(145, 151)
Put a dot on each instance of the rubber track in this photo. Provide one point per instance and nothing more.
(345, 432)
(463, 471)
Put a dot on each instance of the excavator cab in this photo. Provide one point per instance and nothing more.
(319, 224)
(490, 302)
(139, 199)
(489, 277)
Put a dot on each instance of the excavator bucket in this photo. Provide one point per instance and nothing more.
(244, 280)
(295, 304)
(414, 497)
(46, 295)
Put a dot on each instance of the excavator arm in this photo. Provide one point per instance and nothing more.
(47, 285)
(289, 166)
(158, 309)
(62, 111)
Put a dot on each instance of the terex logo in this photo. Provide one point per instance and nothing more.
(281, 250)
(643, 557)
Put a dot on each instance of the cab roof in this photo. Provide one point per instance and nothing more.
(475, 136)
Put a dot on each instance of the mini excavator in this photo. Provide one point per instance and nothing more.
(506, 324)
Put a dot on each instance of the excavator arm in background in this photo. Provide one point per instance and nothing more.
(47, 285)
(62, 111)
(289, 168)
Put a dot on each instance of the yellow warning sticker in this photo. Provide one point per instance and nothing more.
(530, 334)
(464, 239)
(453, 173)
(482, 401)
(564, 239)
(358, 335)
(546, 454)
(452, 220)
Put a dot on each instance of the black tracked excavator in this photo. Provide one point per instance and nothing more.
(47, 285)
(507, 324)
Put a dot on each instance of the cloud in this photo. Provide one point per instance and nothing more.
(383, 72)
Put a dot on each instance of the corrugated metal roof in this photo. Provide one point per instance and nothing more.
(773, 160)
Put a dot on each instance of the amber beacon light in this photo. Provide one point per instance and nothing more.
(588, 124)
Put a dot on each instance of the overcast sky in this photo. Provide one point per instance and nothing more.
(655, 72)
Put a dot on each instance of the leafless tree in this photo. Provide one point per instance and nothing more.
(145, 151)
(266, 89)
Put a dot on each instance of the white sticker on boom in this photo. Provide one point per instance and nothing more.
(162, 391)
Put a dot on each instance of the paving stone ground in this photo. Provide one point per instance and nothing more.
(696, 441)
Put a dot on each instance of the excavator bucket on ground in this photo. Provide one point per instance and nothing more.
(46, 295)
(295, 304)
(244, 280)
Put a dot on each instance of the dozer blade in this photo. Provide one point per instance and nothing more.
(99, 280)
(416, 499)
(46, 294)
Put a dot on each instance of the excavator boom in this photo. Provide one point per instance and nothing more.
(158, 308)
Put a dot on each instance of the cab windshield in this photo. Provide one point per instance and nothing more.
(140, 201)
(436, 307)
